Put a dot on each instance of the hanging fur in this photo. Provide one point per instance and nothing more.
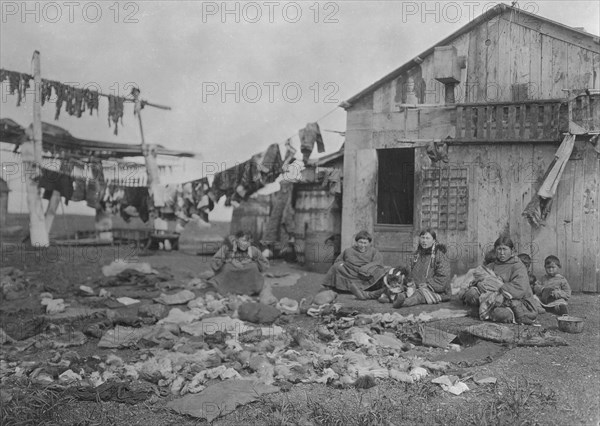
(115, 111)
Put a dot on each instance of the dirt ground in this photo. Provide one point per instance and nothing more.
(536, 385)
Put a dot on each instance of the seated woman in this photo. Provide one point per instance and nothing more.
(430, 273)
(238, 266)
(512, 299)
(357, 268)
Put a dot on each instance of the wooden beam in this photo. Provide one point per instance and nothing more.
(148, 151)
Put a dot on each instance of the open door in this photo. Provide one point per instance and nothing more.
(394, 209)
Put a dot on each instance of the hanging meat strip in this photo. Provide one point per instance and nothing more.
(78, 105)
(115, 111)
(17, 81)
(92, 100)
(23, 86)
(60, 91)
(46, 91)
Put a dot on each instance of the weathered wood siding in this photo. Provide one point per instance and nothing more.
(506, 51)
(503, 180)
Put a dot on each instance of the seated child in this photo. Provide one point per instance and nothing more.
(553, 289)
(526, 259)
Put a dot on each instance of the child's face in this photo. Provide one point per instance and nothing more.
(243, 243)
(551, 269)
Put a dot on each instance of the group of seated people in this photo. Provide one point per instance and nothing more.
(503, 289)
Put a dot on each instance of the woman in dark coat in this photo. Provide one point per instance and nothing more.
(238, 266)
(430, 273)
(356, 268)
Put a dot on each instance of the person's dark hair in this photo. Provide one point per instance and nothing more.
(525, 258)
(241, 234)
(228, 241)
(504, 241)
(363, 235)
(552, 259)
(430, 232)
(490, 257)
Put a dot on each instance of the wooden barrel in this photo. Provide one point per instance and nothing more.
(251, 215)
(319, 251)
(316, 210)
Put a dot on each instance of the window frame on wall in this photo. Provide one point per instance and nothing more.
(444, 198)
(395, 200)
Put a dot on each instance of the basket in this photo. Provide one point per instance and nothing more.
(570, 324)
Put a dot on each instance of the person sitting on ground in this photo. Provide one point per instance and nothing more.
(357, 268)
(429, 273)
(510, 301)
(553, 289)
(238, 266)
(526, 259)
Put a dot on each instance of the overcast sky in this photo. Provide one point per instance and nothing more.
(185, 54)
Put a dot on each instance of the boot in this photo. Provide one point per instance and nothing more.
(562, 309)
(399, 300)
(375, 294)
(357, 292)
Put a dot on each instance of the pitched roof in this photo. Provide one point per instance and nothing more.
(484, 17)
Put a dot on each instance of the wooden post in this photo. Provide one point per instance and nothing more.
(149, 151)
(51, 210)
(32, 160)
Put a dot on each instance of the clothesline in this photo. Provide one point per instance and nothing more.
(45, 80)
(316, 121)
(76, 99)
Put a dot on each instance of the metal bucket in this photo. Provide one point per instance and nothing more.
(570, 324)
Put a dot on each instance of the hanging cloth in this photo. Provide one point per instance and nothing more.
(555, 171)
(310, 135)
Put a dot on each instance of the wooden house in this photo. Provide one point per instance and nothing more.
(501, 93)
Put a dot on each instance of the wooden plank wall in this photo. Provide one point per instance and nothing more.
(502, 180)
(503, 52)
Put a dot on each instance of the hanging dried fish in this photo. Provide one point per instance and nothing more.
(23, 86)
(46, 91)
(78, 105)
(92, 100)
(17, 82)
(115, 111)
(60, 97)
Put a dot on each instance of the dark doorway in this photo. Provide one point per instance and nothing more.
(395, 186)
